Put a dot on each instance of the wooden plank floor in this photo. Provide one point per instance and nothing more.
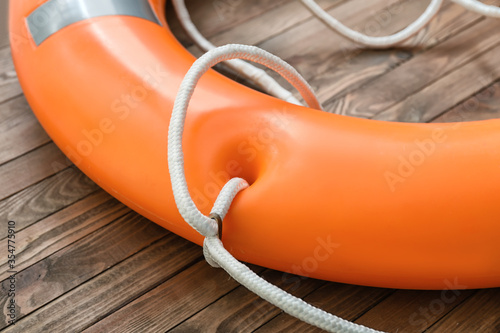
(86, 262)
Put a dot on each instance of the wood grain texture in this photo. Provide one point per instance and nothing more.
(481, 106)
(31, 168)
(273, 22)
(412, 311)
(45, 198)
(94, 298)
(214, 17)
(413, 75)
(243, 311)
(340, 66)
(9, 85)
(311, 55)
(3, 24)
(346, 301)
(20, 131)
(47, 258)
(477, 314)
(447, 91)
(55, 232)
(171, 302)
(87, 263)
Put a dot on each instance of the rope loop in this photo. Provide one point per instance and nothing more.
(400, 36)
(213, 249)
(211, 226)
(370, 41)
(246, 70)
(479, 7)
(201, 223)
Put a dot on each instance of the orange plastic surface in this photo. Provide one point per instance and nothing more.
(332, 197)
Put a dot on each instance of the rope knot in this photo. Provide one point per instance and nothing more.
(208, 257)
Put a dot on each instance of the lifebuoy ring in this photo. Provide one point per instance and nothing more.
(332, 197)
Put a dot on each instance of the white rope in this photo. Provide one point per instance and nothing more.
(252, 73)
(290, 304)
(479, 7)
(213, 249)
(370, 41)
(187, 208)
(403, 35)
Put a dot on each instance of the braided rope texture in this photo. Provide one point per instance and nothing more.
(403, 35)
(213, 249)
(256, 75)
(201, 223)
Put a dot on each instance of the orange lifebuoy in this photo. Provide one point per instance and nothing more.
(333, 197)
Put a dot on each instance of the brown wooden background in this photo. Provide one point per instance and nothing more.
(3, 24)
(88, 263)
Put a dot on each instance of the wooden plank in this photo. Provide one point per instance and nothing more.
(447, 91)
(42, 199)
(338, 66)
(479, 313)
(271, 23)
(170, 303)
(72, 298)
(35, 165)
(9, 85)
(346, 301)
(128, 264)
(451, 19)
(289, 40)
(415, 74)
(38, 282)
(6, 64)
(412, 311)
(20, 131)
(482, 106)
(311, 56)
(213, 17)
(4, 40)
(55, 232)
(242, 310)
